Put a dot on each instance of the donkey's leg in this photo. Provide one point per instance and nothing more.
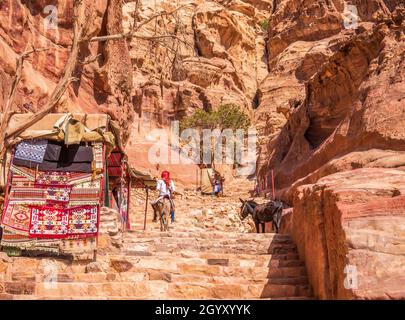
(161, 220)
(279, 217)
(257, 226)
(276, 220)
(167, 219)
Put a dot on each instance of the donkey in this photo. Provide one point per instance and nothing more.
(261, 213)
(162, 208)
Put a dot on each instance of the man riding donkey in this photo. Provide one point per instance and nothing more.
(166, 188)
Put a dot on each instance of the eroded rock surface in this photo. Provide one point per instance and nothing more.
(349, 228)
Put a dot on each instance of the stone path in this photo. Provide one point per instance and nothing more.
(207, 254)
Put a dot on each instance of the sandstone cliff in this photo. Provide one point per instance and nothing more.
(341, 92)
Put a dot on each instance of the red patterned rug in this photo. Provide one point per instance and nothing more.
(48, 222)
(76, 222)
(83, 221)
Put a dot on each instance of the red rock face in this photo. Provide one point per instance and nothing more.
(23, 25)
(346, 102)
(353, 222)
(341, 95)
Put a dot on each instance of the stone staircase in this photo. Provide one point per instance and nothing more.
(199, 258)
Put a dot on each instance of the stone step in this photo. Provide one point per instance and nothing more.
(235, 291)
(204, 235)
(300, 280)
(148, 248)
(240, 256)
(210, 242)
(161, 290)
(18, 280)
(215, 270)
(215, 255)
(247, 272)
(231, 260)
(180, 228)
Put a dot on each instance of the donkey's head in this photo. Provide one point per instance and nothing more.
(245, 209)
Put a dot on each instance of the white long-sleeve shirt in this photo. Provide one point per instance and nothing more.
(163, 189)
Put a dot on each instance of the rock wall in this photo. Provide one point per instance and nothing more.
(331, 118)
(103, 85)
(349, 228)
(220, 57)
(336, 87)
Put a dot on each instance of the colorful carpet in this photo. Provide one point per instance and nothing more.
(48, 222)
(17, 217)
(83, 221)
(85, 180)
(56, 195)
(31, 150)
(25, 172)
(53, 179)
(11, 239)
(85, 193)
(23, 191)
(21, 181)
(27, 195)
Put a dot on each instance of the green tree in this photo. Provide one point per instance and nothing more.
(228, 116)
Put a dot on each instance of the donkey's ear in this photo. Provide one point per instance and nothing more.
(241, 200)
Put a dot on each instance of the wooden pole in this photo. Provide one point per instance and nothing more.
(146, 208)
(272, 184)
(128, 203)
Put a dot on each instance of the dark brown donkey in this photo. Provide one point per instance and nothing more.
(261, 213)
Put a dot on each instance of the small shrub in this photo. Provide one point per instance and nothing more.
(264, 24)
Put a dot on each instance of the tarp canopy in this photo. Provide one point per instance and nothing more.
(144, 178)
(68, 127)
(207, 179)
